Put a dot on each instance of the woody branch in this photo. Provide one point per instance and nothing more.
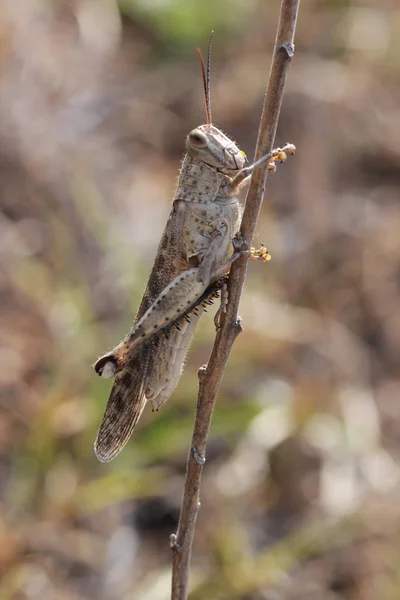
(210, 376)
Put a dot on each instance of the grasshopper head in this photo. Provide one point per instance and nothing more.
(215, 149)
(209, 144)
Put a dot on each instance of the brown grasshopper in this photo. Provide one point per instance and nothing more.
(192, 260)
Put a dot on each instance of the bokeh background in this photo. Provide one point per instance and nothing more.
(301, 490)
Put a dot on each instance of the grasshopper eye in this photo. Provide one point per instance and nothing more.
(198, 139)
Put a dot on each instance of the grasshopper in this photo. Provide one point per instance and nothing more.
(192, 261)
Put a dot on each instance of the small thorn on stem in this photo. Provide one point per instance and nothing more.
(287, 48)
(200, 460)
(173, 542)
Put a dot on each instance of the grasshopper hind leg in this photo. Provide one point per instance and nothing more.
(151, 374)
(184, 291)
(170, 361)
(106, 366)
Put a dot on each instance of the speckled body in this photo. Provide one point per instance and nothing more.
(195, 251)
(209, 207)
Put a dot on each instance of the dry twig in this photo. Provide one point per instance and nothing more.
(210, 376)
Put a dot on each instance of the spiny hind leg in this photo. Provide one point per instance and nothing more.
(169, 365)
(183, 292)
(173, 301)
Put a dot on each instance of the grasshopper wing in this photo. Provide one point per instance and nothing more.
(125, 404)
(142, 372)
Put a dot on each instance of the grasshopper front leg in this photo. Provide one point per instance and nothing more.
(243, 177)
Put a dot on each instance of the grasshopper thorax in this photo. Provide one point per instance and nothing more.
(215, 149)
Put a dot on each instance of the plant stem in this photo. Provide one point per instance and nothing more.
(210, 377)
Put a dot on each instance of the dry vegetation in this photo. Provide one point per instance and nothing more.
(302, 485)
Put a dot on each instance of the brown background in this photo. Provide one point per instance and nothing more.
(301, 489)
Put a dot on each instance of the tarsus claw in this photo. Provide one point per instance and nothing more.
(260, 254)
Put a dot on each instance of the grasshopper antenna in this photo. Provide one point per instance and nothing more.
(206, 78)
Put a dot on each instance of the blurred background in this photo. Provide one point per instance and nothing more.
(301, 489)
